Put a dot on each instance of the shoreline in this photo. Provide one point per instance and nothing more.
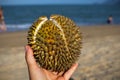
(17, 29)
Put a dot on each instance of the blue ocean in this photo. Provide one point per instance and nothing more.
(22, 16)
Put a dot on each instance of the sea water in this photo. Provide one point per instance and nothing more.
(22, 16)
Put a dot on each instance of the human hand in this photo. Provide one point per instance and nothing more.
(38, 73)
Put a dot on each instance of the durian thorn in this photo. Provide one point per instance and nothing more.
(38, 27)
(50, 41)
(63, 34)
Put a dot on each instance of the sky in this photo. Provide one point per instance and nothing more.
(33, 2)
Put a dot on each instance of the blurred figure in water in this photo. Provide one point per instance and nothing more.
(2, 23)
(110, 19)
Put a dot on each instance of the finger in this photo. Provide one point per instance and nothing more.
(29, 56)
(60, 74)
(69, 73)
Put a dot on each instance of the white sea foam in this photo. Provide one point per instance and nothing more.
(18, 27)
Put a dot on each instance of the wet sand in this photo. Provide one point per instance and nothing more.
(100, 58)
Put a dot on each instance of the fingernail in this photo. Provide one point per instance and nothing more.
(76, 64)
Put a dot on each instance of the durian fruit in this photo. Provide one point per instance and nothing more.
(56, 42)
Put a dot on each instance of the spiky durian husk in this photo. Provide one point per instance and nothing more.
(56, 42)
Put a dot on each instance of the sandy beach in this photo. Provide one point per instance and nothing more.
(100, 58)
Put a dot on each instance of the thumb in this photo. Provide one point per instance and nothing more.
(30, 60)
(68, 74)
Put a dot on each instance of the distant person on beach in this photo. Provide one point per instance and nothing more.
(38, 73)
(110, 19)
(2, 23)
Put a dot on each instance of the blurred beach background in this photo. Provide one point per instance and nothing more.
(100, 58)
